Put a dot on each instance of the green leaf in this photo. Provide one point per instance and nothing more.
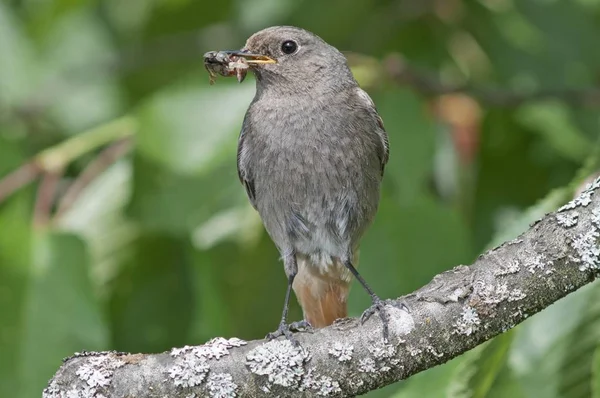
(552, 120)
(432, 383)
(151, 304)
(476, 375)
(98, 216)
(186, 155)
(577, 359)
(62, 314)
(15, 236)
(596, 374)
(412, 142)
(192, 126)
(252, 284)
(167, 201)
(570, 31)
(543, 343)
(78, 64)
(503, 188)
(211, 316)
(520, 223)
(17, 70)
(506, 385)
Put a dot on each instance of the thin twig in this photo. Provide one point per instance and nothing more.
(401, 72)
(18, 179)
(56, 158)
(45, 198)
(96, 167)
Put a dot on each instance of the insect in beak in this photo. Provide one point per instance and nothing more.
(232, 63)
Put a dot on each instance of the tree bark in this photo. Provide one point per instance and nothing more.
(458, 310)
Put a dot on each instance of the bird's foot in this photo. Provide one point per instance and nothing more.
(301, 326)
(379, 307)
(287, 330)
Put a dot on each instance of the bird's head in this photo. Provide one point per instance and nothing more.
(290, 59)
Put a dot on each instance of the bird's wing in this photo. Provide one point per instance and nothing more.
(244, 172)
(384, 147)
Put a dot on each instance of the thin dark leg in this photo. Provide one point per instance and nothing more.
(377, 306)
(284, 329)
(349, 265)
(286, 302)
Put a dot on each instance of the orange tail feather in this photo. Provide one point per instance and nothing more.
(322, 296)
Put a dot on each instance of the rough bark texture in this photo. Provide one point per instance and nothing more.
(455, 312)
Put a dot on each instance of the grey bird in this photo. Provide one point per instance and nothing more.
(311, 156)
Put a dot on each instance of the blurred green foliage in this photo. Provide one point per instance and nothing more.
(162, 249)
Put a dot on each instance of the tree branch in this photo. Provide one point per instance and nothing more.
(455, 312)
(96, 167)
(56, 158)
(402, 73)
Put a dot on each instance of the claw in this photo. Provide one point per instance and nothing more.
(379, 307)
(287, 329)
(400, 304)
(301, 326)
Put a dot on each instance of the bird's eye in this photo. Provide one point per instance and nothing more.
(289, 47)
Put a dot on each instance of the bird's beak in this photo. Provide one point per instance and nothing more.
(252, 59)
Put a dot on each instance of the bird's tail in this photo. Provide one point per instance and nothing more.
(322, 291)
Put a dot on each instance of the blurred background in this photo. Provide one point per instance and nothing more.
(123, 224)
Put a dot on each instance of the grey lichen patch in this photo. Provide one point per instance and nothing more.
(355, 382)
(96, 373)
(221, 385)
(380, 350)
(537, 262)
(86, 392)
(367, 365)
(213, 349)
(191, 367)
(495, 294)
(511, 268)
(52, 391)
(433, 351)
(567, 220)
(469, 321)
(188, 370)
(281, 361)
(382, 360)
(516, 295)
(586, 245)
(322, 386)
(341, 351)
(588, 253)
(584, 199)
(492, 294)
(414, 351)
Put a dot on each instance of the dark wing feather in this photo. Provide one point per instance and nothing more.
(384, 148)
(244, 172)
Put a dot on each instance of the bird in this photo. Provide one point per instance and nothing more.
(311, 155)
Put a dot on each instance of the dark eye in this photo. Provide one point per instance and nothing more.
(289, 47)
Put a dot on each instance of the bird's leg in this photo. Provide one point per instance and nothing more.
(378, 304)
(285, 329)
